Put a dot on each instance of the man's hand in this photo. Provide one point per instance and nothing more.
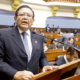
(23, 75)
(48, 68)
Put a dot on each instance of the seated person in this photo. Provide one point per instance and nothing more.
(70, 41)
(75, 32)
(66, 36)
(54, 44)
(60, 33)
(48, 29)
(58, 29)
(42, 33)
(44, 45)
(35, 30)
(71, 55)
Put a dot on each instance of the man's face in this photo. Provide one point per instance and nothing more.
(42, 33)
(75, 29)
(24, 20)
(73, 57)
(55, 43)
(71, 41)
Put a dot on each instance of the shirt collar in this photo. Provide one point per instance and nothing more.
(66, 59)
(28, 31)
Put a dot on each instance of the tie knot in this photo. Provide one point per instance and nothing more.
(24, 34)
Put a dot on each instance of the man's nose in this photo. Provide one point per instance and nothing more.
(25, 15)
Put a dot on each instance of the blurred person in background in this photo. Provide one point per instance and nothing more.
(71, 55)
(54, 44)
(66, 36)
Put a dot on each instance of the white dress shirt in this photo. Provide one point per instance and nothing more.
(45, 48)
(28, 37)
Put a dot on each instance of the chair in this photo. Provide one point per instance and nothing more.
(60, 46)
(59, 39)
(78, 34)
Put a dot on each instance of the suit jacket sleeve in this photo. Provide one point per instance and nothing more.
(60, 61)
(4, 67)
(43, 60)
(62, 38)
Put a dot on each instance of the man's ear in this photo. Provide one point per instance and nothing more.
(33, 21)
(15, 18)
(68, 53)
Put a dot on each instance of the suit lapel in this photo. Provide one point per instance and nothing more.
(34, 43)
(17, 39)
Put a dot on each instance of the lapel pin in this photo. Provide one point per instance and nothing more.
(35, 41)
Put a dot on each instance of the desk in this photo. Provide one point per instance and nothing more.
(51, 54)
(77, 42)
(76, 37)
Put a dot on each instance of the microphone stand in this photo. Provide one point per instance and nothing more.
(70, 46)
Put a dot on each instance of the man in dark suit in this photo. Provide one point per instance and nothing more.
(21, 50)
(75, 31)
(70, 42)
(48, 29)
(71, 55)
(66, 36)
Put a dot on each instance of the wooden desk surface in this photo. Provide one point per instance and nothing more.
(77, 42)
(51, 54)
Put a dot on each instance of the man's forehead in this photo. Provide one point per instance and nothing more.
(75, 53)
(24, 9)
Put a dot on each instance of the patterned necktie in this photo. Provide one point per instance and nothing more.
(26, 45)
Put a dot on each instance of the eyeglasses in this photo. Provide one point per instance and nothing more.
(55, 40)
(22, 15)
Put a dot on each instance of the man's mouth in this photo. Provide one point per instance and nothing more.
(24, 22)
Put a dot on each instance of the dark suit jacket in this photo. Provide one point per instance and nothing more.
(60, 61)
(48, 29)
(13, 56)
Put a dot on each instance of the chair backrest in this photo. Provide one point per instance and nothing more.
(78, 34)
(48, 75)
(60, 46)
(69, 69)
(76, 77)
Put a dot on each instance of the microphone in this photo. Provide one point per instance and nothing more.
(70, 46)
(58, 41)
(74, 47)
